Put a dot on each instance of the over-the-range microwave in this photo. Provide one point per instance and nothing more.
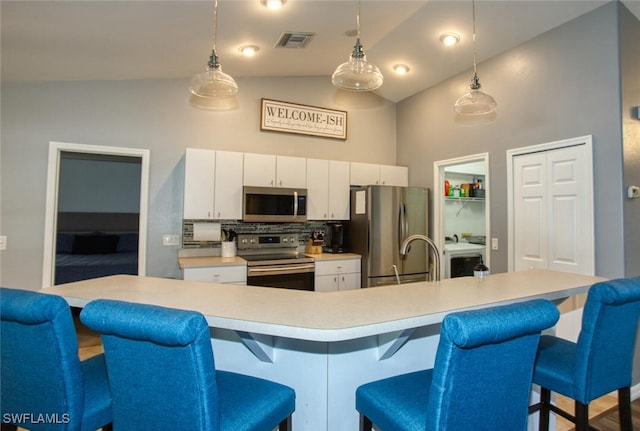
(274, 204)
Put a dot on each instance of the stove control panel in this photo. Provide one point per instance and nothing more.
(268, 241)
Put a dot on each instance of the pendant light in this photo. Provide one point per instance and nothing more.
(475, 102)
(357, 74)
(213, 83)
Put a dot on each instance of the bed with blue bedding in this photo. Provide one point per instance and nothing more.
(85, 254)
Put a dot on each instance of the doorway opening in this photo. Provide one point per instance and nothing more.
(96, 212)
(462, 218)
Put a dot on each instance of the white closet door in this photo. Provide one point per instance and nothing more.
(530, 212)
(552, 220)
(569, 211)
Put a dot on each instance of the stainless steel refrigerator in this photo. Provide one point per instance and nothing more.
(381, 218)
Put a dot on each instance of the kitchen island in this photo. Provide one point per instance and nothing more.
(326, 344)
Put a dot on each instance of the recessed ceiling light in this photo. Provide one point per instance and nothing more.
(401, 69)
(249, 50)
(273, 4)
(450, 38)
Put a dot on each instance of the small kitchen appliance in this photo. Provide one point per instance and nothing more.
(337, 238)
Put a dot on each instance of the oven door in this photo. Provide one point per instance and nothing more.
(286, 276)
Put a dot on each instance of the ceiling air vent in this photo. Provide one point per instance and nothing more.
(294, 40)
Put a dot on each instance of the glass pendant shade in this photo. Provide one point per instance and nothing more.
(475, 102)
(213, 83)
(357, 74)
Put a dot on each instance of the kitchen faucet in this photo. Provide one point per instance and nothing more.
(404, 249)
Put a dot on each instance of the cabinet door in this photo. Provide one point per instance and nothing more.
(349, 281)
(259, 170)
(394, 175)
(326, 283)
(228, 185)
(199, 180)
(318, 189)
(363, 174)
(291, 172)
(338, 197)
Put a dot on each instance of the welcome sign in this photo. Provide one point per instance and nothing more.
(288, 117)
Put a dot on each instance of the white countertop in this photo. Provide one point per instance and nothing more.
(328, 316)
(213, 261)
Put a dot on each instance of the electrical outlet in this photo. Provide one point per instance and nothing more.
(3, 242)
(494, 243)
(169, 240)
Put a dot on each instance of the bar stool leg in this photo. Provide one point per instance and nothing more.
(543, 418)
(624, 408)
(582, 416)
(365, 424)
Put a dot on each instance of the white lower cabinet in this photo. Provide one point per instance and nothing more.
(334, 275)
(236, 274)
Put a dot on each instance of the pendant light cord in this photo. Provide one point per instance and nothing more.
(215, 24)
(358, 20)
(213, 59)
(475, 51)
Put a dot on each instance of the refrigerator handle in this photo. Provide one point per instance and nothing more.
(404, 222)
(400, 225)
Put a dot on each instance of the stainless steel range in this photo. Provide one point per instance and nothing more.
(273, 260)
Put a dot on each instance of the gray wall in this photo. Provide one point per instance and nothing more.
(155, 115)
(562, 84)
(108, 186)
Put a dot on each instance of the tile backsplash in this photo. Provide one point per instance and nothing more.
(304, 230)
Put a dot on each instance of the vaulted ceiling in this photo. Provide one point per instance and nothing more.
(104, 40)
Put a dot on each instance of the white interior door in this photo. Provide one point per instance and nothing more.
(530, 212)
(552, 206)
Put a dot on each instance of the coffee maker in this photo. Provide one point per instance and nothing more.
(337, 238)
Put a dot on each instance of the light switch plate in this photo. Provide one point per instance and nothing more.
(494, 243)
(168, 240)
(633, 192)
(3, 242)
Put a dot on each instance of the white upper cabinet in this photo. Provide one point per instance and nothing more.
(259, 170)
(317, 189)
(265, 170)
(291, 172)
(339, 190)
(328, 190)
(212, 185)
(199, 182)
(363, 174)
(394, 175)
(228, 186)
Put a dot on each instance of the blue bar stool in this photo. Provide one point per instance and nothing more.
(481, 379)
(600, 362)
(44, 384)
(162, 374)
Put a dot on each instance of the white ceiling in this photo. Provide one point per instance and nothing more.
(89, 40)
